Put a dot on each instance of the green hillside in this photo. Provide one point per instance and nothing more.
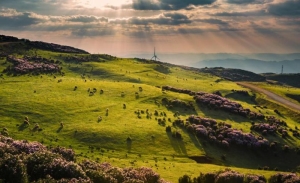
(113, 109)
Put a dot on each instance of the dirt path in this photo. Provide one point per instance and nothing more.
(272, 96)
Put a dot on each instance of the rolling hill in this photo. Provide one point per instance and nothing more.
(134, 112)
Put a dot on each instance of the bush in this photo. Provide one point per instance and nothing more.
(22, 161)
(68, 154)
(185, 179)
(208, 177)
(255, 179)
(226, 176)
(12, 168)
(168, 129)
(37, 164)
(60, 168)
(230, 177)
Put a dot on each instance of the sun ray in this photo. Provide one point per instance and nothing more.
(102, 3)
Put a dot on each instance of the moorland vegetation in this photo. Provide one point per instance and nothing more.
(133, 113)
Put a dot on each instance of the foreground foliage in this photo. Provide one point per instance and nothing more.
(23, 161)
(229, 176)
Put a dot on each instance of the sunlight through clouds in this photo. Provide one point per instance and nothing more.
(118, 27)
(101, 3)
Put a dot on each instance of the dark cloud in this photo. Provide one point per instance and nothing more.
(241, 14)
(287, 8)
(17, 20)
(229, 28)
(44, 7)
(168, 4)
(164, 19)
(212, 21)
(87, 19)
(248, 1)
(13, 20)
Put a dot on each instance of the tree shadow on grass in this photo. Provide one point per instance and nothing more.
(195, 140)
(220, 114)
(129, 144)
(182, 111)
(241, 97)
(177, 144)
(23, 126)
(59, 129)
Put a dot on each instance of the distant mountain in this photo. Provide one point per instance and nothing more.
(256, 66)
(192, 59)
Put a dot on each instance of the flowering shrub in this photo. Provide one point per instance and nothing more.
(24, 146)
(223, 134)
(37, 164)
(226, 176)
(68, 154)
(265, 128)
(284, 178)
(229, 176)
(106, 173)
(36, 65)
(12, 168)
(177, 103)
(23, 161)
(218, 102)
(60, 168)
(255, 179)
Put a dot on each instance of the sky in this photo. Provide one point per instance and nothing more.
(129, 27)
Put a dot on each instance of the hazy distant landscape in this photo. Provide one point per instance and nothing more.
(258, 63)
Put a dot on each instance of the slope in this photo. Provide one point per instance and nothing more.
(82, 106)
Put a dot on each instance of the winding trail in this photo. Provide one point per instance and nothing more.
(272, 96)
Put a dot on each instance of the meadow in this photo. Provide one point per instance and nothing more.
(98, 108)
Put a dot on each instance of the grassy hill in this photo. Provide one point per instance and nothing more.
(111, 109)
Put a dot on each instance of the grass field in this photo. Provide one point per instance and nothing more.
(49, 103)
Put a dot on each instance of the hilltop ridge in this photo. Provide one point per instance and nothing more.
(42, 45)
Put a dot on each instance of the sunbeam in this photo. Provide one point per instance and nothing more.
(102, 3)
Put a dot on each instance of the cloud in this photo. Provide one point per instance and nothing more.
(163, 19)
(11, 19)
(248, 1)
(241, 13)
(86, 19)
(38, 6)
(212, 21)
(167, 4)
(287, 8)
(288, 22)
